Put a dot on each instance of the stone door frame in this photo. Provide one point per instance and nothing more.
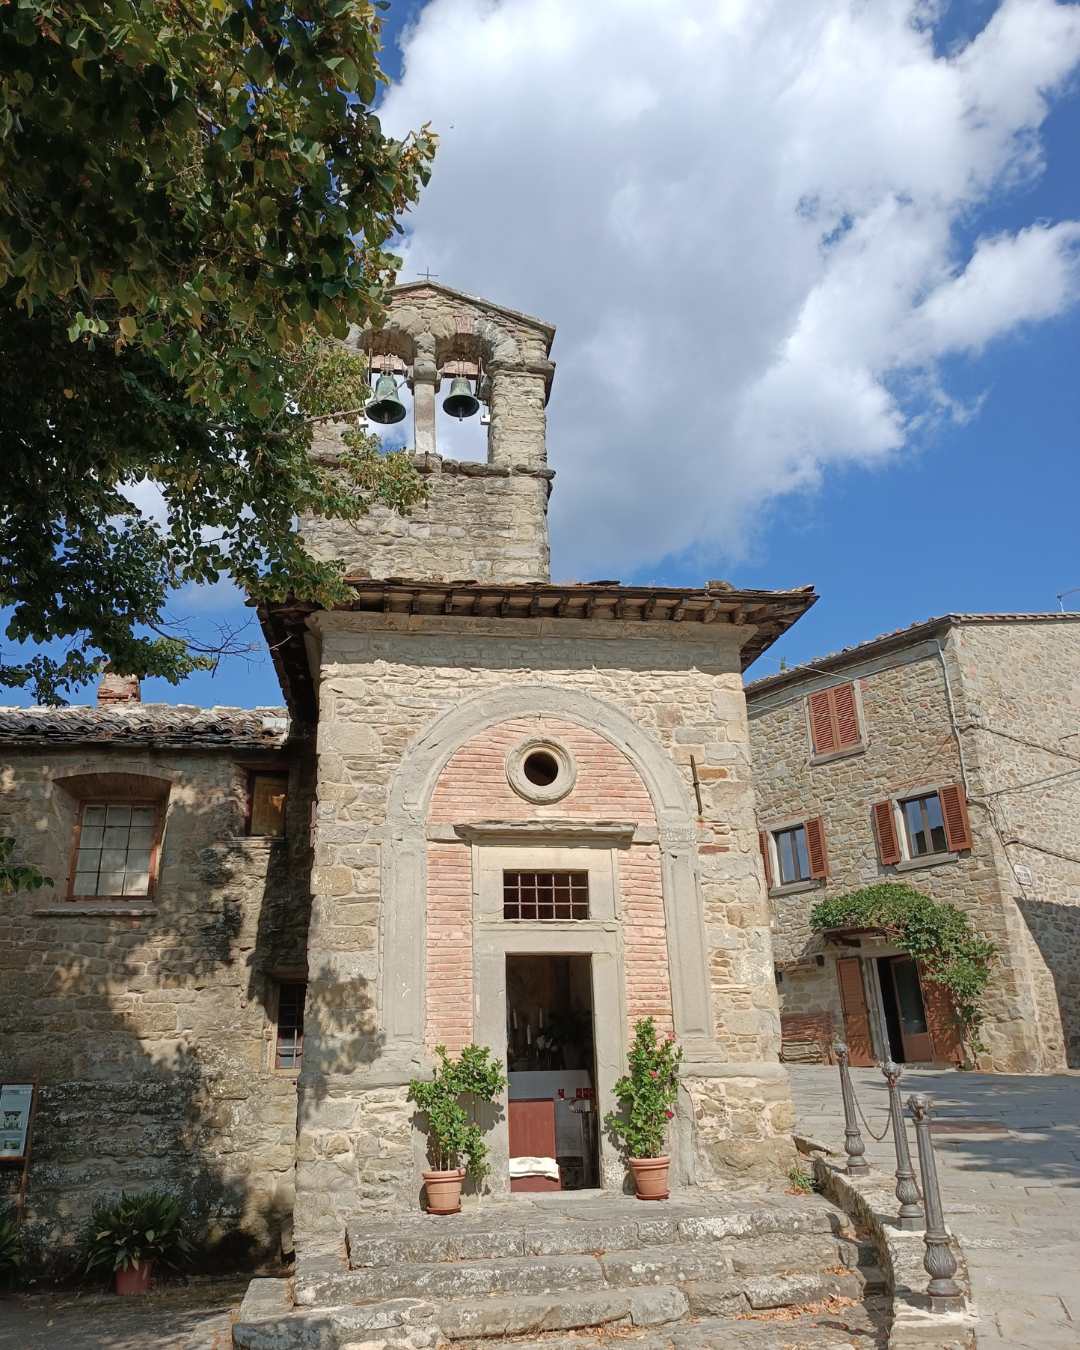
(599, 937)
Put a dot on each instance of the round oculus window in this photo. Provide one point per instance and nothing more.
(541, 771)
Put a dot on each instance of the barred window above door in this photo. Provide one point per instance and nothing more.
(545, 895)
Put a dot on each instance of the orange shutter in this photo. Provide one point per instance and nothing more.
(856, 1014)
(822, 729)
(847, 715)
(941, 1021)
(954, 811)
(888, 846)
(763, 844)
(815, 847)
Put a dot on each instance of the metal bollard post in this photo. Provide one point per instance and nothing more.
(909, 1216)
(854, 1147)
(939, 1262)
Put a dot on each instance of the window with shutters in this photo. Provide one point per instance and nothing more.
(267, 794)
(794, 854)
(922, 827)
(835, 722)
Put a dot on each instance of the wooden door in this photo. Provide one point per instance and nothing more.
(942, 1020)
(914, 1030)
(531, 1123)
(856, 1013)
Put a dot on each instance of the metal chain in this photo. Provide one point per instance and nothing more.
(877, 1138)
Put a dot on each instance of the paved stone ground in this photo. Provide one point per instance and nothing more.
(1011, 1189)
(192, 1317)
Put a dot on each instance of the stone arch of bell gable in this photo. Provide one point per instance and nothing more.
(404, 872)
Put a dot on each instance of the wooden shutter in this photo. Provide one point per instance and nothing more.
(822, 728)
(856, 1013)
(954, 811)
(846, 714)
(941, 1021)
(815, 847)
(834, 719)
(763, 844)
(888, 846)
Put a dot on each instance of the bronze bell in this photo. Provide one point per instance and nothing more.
(461, 401)
(385, 408)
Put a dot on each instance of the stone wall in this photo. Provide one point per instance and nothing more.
(147, 1024)
(480, 522)
(1019, 705)
(909, 744)
(388, 683)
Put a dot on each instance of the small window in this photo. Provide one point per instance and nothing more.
(289, 1033)
(924, 825)
(792, 855)
(269, 792)
(545, 895)
(115, 849)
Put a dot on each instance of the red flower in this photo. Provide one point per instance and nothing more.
(654, 1073)
(670, 1114)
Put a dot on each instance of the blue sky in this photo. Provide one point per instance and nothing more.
(960, 495)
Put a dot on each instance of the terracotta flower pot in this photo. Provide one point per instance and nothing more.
(134, 1279)
(444, 1191)
(651, 1177)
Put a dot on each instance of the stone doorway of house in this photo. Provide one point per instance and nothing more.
(552, 1102)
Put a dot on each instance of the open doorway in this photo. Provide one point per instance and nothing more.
(550, 1060)
(904, 1011)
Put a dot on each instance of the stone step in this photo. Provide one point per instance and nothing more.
(566, 1312)
(497, 1234)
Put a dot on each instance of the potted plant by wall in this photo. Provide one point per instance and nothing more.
(449, 1101)
(132, 1235)
(647, 1096)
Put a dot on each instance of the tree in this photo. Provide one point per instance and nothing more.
(196, 200)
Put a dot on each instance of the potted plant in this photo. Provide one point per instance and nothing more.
(454, 1135)
(131, 1235)
(647, 1096)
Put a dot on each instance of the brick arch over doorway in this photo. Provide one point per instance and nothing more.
(403, 965)
(473, 786)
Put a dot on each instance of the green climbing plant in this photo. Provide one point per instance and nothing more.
(936, 934)
(449, 1100)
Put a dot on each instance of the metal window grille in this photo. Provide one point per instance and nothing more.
(289, 1042)
(545, 895)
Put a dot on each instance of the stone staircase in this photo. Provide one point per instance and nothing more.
(563, 1273)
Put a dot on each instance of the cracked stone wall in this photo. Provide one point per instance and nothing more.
(385, 682)
(148, 1024)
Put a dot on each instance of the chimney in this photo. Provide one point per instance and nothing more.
(118, 689)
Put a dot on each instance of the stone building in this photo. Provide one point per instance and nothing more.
(150, 989)
(518, 812)
(946, 756)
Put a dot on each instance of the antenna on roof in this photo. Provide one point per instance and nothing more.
(1062, 594)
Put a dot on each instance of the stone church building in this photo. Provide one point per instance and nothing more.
(495, 809)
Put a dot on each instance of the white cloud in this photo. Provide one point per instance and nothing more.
(745, 218)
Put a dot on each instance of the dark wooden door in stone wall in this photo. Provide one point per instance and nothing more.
(856, 1013)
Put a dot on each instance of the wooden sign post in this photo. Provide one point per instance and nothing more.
(18, 1105)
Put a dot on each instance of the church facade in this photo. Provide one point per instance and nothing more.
(510, 812)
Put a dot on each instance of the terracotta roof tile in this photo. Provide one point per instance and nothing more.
(162, 724)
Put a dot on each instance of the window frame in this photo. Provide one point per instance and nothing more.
(154, 805)
(249, 808)
(908, 861)
(907, 840)
(781, 881)
(280, 982)
(776, 887)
